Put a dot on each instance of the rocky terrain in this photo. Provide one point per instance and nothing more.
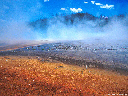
(79, 53)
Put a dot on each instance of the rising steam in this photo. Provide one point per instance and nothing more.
(115, 29)
(56, 29)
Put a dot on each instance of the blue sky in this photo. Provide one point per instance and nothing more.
(35, 9)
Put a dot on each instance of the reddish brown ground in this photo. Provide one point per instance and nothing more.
(22, 76)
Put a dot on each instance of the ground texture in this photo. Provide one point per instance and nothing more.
(27, 75)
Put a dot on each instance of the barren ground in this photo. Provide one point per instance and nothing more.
(26, 75)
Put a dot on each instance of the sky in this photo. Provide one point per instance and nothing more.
(15, 14)
(34, 9)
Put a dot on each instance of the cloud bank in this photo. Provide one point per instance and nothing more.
(93, 2)
(46, 0)
(107, 6)
(76, 10)
(63, 9)
(98, 4)
(86, 2)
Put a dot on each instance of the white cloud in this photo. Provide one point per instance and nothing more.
(62, 9)
(93, 2)
(98, 4)
(85, 2)
(107, 6)
(76, 10)
(46, 0)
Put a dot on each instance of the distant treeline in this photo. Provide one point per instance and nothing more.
(71, 19)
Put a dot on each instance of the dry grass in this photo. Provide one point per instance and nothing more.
(21, 76)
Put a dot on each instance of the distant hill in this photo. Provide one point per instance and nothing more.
(72, 19)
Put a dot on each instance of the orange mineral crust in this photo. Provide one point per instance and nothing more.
(23, 76)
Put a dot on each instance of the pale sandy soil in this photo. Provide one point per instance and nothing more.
(23, 76)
